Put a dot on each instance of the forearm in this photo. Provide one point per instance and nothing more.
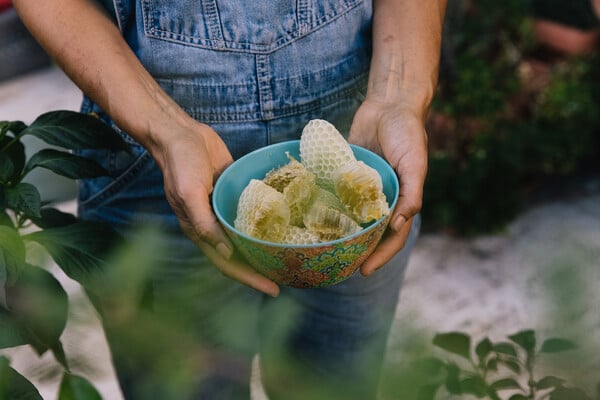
(90, 49)
(407, 38)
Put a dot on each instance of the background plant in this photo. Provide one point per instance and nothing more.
(33, 304)
(506, 120)
(494, 368)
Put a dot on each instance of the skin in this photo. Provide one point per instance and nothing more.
(88, 46)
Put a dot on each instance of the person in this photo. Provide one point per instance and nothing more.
(193, 86)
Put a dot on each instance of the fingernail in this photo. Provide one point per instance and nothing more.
(224, 250)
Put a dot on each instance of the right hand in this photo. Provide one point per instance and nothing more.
(191, 159)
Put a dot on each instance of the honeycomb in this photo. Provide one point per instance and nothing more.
(298, 235)
(360, 190)
(323, 150)
(262, 212)
(324, 196)
(329, 223)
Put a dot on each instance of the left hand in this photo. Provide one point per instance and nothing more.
(398, 134)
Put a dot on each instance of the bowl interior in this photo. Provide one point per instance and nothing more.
(256, 164)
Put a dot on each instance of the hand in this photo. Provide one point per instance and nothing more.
(398, 134)
(191, 160)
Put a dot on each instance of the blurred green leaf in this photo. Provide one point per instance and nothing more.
(80, 249)
(74, 387)
(53, 218)
(15, 154)
(483, 348)
(428, 392)
(14, 386)
(505, 348)
(25, 198)
(506, 383)
(12, 253)
(39, 305)
(73, 130)
(525, 339)
(518, 397)
(556, 345)
(549, 382)
(454, 342)
(474, 385)
(564, 393)
(453, 379)
(65, 164)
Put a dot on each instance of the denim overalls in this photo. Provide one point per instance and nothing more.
(256, 72)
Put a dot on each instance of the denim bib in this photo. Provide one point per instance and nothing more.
(232, 61)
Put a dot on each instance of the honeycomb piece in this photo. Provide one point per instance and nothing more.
(325, 198)
(360, 190)
(297, 235)
(262, 212)
(329, 223)
(280, 177)
(297, 185)
(323, 150)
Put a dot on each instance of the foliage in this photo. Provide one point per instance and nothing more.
(496, 370)
(503, 121)
(33, 304)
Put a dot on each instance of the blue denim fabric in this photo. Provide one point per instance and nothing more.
(256, 72)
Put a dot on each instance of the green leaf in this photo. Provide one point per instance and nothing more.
(505, 348)
(428, 392)
(65, 164)
(549, 382)
(525, 339)
(24, 198)
(506, 383)
(16, 154)
(12, 254)
(73, 130)
(454, 342)
(11, 334)
(483, 348)
(80, 249)
(563, 393)
(430, 366)
(14, 386)
(15, 127)
(512, 365)
(474, 385)
(556, 345)
(52, 218)
(39, 305)
(6, 168)
(453, 379)
(74, 387)
(518, 397)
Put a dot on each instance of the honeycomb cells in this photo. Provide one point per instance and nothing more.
(324, 196)
(262, 212)
(323, 150)
(360, 190)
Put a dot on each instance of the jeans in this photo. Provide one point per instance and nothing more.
(254, 87)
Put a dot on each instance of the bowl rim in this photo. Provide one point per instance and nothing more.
(372, 225)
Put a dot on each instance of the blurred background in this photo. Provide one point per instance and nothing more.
(511, 208)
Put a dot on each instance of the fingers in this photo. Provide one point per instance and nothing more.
(240, 271)
(392, 242)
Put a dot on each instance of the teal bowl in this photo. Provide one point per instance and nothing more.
(306, 265)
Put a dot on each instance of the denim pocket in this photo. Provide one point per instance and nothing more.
(245, 26)
(122, 166)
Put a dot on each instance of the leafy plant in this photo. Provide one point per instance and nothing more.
(504, 122)
(497, 370)
(33, 303)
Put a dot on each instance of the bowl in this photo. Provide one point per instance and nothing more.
(306, 265)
